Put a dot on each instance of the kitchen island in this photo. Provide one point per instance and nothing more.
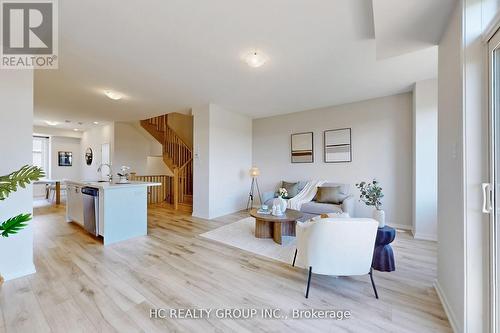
(119, 210)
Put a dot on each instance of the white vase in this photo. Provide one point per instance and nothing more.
(279, 201)
(379, 216)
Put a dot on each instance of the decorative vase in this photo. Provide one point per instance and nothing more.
(379, 216)
(280, 202)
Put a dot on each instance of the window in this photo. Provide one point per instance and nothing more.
(41, 153)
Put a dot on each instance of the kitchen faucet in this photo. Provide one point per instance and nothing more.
(110, 175)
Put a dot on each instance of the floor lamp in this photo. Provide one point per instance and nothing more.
(254, 173)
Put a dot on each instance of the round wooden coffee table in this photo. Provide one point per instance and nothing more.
(270, 226)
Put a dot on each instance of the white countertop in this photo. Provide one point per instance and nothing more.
(109, 186)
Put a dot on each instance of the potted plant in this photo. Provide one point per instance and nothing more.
(9, 184)
(371, 194)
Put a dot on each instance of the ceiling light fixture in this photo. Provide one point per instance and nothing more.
(75, 129)
(113, 95)
(255, 59)
(96, 123)
(51, 123)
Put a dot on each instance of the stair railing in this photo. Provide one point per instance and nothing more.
(157, 194)
(183, 183)
(180, 156)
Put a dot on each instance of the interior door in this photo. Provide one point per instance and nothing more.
(492, 192)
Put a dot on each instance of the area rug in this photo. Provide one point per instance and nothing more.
(241, 234)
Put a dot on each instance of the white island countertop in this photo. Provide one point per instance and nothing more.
(108, 186)
(120, 209)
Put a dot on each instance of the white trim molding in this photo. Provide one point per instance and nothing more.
(18, 274)
(446, 305)
(427, 237)
(400, 226)
(491, 29)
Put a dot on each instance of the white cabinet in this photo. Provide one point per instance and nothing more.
(74, 204)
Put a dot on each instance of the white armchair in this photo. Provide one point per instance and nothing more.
(336, 246)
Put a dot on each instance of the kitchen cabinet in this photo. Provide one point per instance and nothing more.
(74, 205)
(121, 208)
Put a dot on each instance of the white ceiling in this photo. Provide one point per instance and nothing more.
(170, 55)
(409, 25)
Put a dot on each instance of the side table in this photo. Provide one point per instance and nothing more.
(383, 256)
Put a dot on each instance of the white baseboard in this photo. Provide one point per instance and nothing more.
(427, 237)
(15, 275)
(447, 309)
(400, 226)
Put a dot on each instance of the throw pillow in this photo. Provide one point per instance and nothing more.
(336, 214)
(329, 215)
(291, 188)
(332, 195)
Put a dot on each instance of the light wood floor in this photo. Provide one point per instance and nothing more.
(82, 286)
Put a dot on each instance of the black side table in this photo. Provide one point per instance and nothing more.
(383, 257)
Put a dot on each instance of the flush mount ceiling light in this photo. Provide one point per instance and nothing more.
(51, 123)
(113, 94)
(255, 59)
(96, 123)
(75, 129)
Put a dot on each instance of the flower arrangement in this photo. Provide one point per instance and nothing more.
(123, 171)
(282, 193)
(371, 193)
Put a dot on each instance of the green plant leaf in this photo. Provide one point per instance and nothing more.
(27, 174)
(14, 224)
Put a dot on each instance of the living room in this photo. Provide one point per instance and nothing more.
(333, 170)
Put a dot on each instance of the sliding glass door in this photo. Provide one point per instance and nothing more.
(492, 193)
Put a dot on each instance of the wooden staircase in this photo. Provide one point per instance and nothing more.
(178, 156)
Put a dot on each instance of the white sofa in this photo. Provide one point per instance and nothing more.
(314, 208)
(336, 246)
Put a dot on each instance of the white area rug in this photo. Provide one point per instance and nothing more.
(241, 234)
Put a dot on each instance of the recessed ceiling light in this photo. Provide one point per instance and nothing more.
(96, 123)
(75, 129)
(113, 95)
(51, 123)
(255, 59)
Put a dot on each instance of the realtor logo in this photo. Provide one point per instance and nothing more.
(29, 34)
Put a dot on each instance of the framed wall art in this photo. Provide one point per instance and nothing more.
(65, 158)
(338, 148)
(302, 148)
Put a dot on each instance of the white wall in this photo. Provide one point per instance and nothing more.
(451, 270)
(425, 159)
(94, 138)
(201, 162)
(223, 156)
(381, 149)
(230, 161)
(133, 146)
(57, 144)
(16, 129)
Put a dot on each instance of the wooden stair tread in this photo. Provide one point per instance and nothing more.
(177, 156)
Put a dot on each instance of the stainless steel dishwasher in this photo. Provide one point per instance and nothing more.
(91, 210)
